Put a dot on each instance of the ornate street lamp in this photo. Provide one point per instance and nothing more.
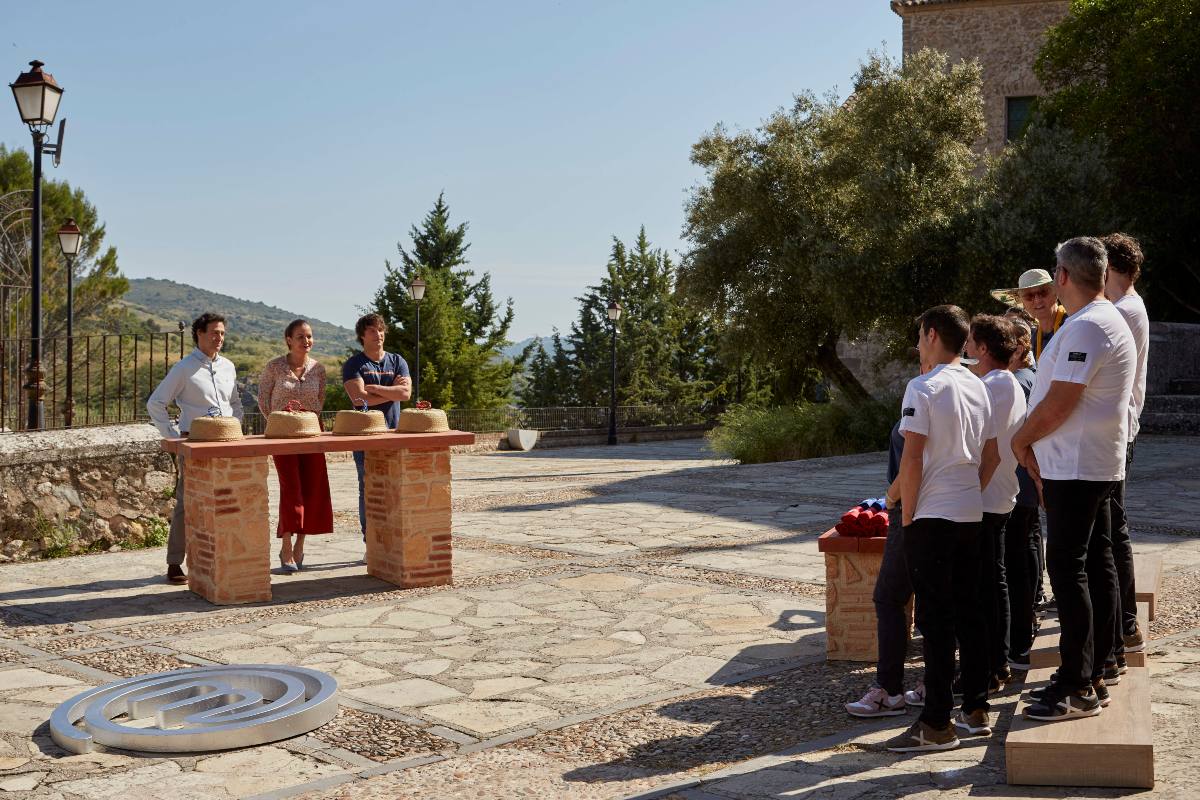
(37, 96)
(614, 314)
(69, 239)
(417, 290)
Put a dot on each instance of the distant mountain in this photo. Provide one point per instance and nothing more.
(168, 303)
(514, 350)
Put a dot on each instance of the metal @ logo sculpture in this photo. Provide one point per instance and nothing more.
(194, 710)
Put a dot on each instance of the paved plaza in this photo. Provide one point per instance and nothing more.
(631, 621)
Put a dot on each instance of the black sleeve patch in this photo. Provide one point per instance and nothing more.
(1077, 357)
(909, 412)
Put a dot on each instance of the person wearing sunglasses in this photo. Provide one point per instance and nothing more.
(1034, 292)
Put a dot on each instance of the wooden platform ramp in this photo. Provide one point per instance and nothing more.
(1044, 652)
(1147, 579)
(1113, 749)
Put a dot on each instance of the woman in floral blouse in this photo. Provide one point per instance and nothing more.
(304, 505)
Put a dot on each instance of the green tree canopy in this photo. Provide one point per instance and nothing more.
(1129, 71)
(666, 352)
(829, 219)
(463, 327)
(98, 281)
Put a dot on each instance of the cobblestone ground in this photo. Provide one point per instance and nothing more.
(632, 621)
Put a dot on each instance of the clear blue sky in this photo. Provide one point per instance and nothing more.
(278, 151)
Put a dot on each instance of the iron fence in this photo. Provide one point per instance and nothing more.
(114, 374)
(495, 420)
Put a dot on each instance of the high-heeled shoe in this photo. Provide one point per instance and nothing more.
(288, 568)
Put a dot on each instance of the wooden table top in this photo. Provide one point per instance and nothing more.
(325, 443)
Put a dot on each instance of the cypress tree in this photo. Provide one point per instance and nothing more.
(463, 326)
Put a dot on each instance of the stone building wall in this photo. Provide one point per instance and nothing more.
(1005, 35)
(83, 489)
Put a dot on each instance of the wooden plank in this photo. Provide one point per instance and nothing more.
(1113, 749)
(1147, 579)
(1044, 652)
(325, 443)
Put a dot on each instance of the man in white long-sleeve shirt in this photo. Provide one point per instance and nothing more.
(200, 383)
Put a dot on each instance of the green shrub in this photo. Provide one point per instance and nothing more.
(157, 531)
(61, 538)
(807, 430)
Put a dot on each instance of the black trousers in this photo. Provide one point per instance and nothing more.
(993, 587)
(1082, 574)
(1122, 547)
(1023, 564)
(943, 565)
(893, 590)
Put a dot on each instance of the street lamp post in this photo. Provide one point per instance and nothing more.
(417, 290)
(614, 314)
(69, 239)
(37, 97)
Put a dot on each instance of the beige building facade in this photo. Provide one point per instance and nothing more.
(1005, 35)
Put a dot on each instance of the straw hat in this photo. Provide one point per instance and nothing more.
(215, 428)
(359, 423)
(293, 423)
(423, 419)
(1029, 279)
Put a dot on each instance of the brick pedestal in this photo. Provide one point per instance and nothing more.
(407, 488)
(851, 566)
(228, 534)
(408, 516)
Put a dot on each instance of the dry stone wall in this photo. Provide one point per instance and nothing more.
(82, 490)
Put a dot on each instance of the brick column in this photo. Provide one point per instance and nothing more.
(228, 532)
(851, 567)
(408, 516)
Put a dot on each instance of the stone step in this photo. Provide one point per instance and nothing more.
(1184, 386)
(1170, 423)
(1172, 404)
(1044, 653)
(1115, 748)
(1147, 580)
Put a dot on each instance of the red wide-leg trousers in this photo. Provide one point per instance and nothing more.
(304, 504)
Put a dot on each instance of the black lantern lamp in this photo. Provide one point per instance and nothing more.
(417, 290)
(614, 314)
(69, 239)
(37, 95)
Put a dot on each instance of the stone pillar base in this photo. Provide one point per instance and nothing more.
(228, 532)
(408, 516)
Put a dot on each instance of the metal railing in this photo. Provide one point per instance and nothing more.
(495, 420)
(113, 376)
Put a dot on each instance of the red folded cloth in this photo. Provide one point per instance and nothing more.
(860, 521)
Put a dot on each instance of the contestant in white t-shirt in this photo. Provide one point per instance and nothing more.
(1073, 442)
(946, 422)
(992, 343)
(1124, 268)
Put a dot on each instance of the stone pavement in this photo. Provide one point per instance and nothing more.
(630, 621)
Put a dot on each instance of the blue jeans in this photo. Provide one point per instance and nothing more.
(359, 461)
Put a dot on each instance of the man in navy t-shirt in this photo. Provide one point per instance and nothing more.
(378, 379)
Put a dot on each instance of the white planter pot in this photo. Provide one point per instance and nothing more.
(520, 439)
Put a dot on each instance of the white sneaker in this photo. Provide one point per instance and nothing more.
(877, 703)
(916, 697)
